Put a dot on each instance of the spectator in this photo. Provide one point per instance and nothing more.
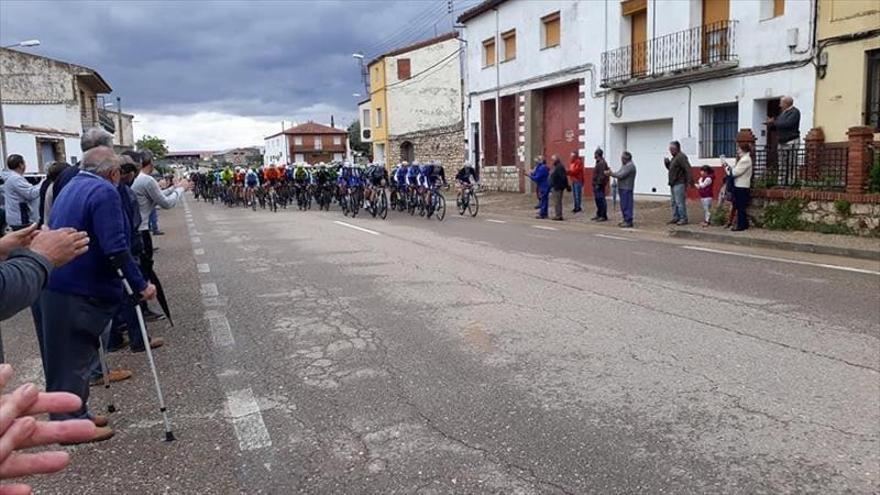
(726, 194)
(742, 177)
(22, 207)
(787, 124)
(89, 286)
(558, 185)
(154, 222)
(540, 176)
(47, 192)
(19, 430)
(680, 177)
(704, 187)
(576, 176)
(626, 180)
(149, 196)
(600, 184)
(91, 138)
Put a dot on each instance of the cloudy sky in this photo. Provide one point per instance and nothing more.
(212, 75)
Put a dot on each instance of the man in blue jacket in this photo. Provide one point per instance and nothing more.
(83, 296)
(541, 177)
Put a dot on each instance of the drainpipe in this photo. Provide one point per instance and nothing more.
(497, 92)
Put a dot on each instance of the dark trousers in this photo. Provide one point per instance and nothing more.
(72, 326)
(556, 201)
(741, 202)
(146, 261)
(542, 202)
(601, 203)
(626, 204)
(127, 316)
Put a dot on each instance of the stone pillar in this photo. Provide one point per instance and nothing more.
(813, 143)
(858, 158)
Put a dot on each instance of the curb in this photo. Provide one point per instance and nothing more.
(864, 254)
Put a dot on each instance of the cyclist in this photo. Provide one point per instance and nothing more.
(465, 179)
(226, 176)
(251, 182)
(376, 176)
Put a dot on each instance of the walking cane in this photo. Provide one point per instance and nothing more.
(169, 435)
(102, 356)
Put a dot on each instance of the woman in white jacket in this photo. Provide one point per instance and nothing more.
(742, 177)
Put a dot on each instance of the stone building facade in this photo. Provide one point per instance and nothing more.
(443, 145)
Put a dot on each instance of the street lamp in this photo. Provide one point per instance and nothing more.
(359, 56)
(356, 95)
(22, 44)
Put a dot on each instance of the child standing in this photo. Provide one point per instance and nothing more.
(704, 186)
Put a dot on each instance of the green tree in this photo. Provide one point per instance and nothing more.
(354, 137)
(156, 145)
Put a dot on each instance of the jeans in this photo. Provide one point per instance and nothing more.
(577, 194)
(542, 203)
(741, 202)
(72, 326)
(626, 204)
(556, 200)
(153, 221)
(601, 203)
(679, 202)
(707, 208)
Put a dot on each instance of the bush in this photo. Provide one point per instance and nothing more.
(843, 207)
(784, 215)
(718, 216)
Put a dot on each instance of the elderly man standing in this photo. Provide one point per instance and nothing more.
(600, 185)
(83, 296)
(22, 198)
(150, 196)
(788, 133)
(626, 181)
(680, 177)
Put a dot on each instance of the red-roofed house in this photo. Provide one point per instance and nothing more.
(306, 143)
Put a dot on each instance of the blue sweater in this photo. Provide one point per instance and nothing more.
(91, 204)
(541, 177)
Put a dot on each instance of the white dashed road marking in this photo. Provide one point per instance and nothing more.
(495, 221)
(542, 227)
(782, 260)
(355, 227)
(198, 251)
(221, 332)
(196, 240)
(247, 420)
(616, 238)
(210, 290)
(203, 268)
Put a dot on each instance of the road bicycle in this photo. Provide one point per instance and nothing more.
(467, 201)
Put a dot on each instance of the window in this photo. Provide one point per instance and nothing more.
(378, 118)
(509, 45)
(718, 128)
(872, 99)
(319, 145)
(772, 8)
(365, 121)
(297, 140)
(337, 157)
(778, 7)
(550, 30)
(489, 52)
(337, 140)
(403, 69)
(299, 158)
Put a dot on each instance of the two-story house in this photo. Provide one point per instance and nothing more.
(415, 107)
(47, 104)
(556, 76)
(311, 143)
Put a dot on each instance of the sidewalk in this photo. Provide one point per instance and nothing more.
(652, 213)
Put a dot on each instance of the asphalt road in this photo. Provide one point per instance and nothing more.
(319, 354)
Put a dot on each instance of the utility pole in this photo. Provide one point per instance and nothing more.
(119, 119)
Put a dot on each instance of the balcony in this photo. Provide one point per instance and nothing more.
(673, 56)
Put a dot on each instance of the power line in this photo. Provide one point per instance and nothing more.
(414, 32)
(433, 9)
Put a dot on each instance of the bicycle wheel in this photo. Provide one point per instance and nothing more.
(439, 207)
(473, 204)
(461, 201)
(383, 205)
(345, 204)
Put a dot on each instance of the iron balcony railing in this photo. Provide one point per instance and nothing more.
(823, 167)
(691, 49)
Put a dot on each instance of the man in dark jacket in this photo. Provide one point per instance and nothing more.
(600, 185)
(787, 126)
(680, 177)
(558, 185)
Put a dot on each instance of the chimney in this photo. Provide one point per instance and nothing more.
(331, 122)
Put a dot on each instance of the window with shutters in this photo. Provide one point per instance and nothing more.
(489, 52)
(297, 140)
(403, 69)
(509, 45)
(551, 30)
(771, 9)
(718, 128)
(337, 140)
(318, 143)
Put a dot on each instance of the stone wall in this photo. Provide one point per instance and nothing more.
(444, 145)
(505, 179)
(862, 218)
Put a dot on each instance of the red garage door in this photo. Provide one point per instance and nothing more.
(561, 121)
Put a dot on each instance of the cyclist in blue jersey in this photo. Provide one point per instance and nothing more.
(251, 183)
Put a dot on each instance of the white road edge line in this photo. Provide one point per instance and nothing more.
(495, 221)
(544, 228)
(355, 227)
(782, 260)
(616, 238)
(243, 408)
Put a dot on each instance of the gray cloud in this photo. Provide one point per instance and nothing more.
(243, 58)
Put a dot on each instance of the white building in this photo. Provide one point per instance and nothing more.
(46, 106)
(631, 75)
(276, 150)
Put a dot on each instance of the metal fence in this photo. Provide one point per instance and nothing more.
(819, 167)
(676, 52)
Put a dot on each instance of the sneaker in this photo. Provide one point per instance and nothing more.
(158, 232)
(627, 225)
(539, 217)
(150, 315)
(672, 222)
(155, 343)
(681, 222)
(557, 219)
(594, 219)
(113, 376)
(603, 219)
(537, 207)
(101, 433)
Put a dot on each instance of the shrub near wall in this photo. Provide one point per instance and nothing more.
(829, 216)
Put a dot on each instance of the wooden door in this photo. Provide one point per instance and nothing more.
(716, 13)
(639, 42)
(561, 133)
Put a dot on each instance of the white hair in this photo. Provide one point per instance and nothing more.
(94, 137)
